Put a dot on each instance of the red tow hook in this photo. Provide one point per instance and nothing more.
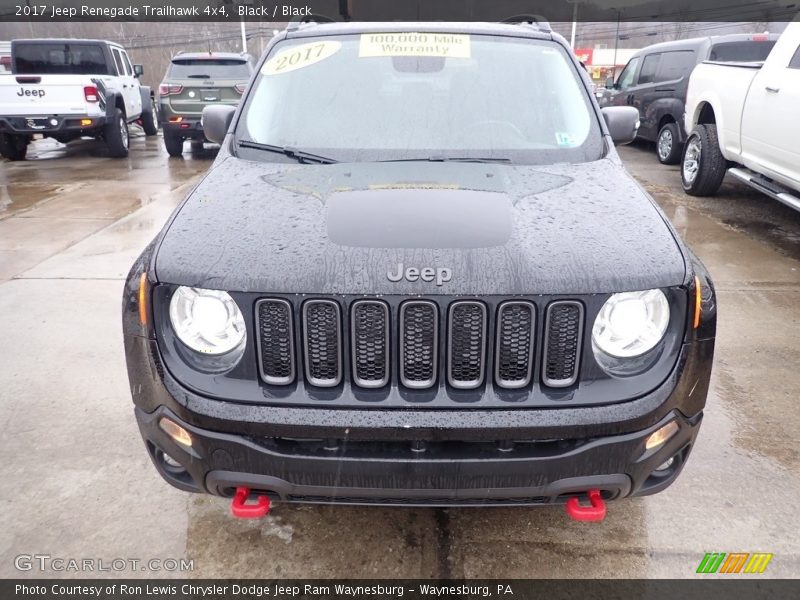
(241, 510)
(595, 512)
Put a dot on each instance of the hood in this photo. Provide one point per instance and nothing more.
(475, 229)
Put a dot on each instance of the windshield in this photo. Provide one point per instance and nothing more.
(60, 59)
(212, 68)
(404, 96)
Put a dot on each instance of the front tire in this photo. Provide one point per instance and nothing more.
(149, 120)
(13, 147)
(668, 148)
(116, 135)
(703, 167)
(173, 143)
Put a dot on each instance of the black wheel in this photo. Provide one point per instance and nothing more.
(13, 147)
(197, 147)
(149, 119)
(668, 148)
(703, 167)
(174, 143)
(116, 135)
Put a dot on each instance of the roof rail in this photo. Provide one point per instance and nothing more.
(537, 21)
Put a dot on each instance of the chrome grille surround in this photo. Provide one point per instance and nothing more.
(563, 342)
(515, 344)
(275, 341)
(369, 342)
(419, 343)
(322, 342)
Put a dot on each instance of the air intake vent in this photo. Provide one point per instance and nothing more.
(467, 344)
(275, 341)
(322, 342)
(516, 324)
(419, 343)
(563, 333)
(370, 343)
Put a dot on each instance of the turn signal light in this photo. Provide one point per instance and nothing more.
(175, 119)
(176, 432)
(698, 301)
(660, 436)
(240, 87)
(86, 122)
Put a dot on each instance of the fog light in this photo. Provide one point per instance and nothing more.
(171, 462)
(660, 436)
(666, 464)
(176, 432)
(54, 122)
(86, 122)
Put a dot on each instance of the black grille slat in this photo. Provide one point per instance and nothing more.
(467, 342)
(419, 343)
(369, 339)
(563, 334)
(276, 341)
(516, 324)
(322, 342)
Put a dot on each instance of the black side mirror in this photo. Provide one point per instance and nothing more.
(610, 83)
(215, 121)
(622, 123)
(138, 70)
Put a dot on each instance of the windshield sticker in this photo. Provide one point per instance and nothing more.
(299, 57)
(444, 45)
(564, 139)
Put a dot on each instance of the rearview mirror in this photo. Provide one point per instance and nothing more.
(138, 70)
(610, 83)
(215, 121)
(622, 123)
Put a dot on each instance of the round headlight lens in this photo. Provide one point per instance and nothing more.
(631, 323)
(207, 321)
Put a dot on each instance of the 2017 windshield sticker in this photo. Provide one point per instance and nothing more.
(300, 56)
(444, 45)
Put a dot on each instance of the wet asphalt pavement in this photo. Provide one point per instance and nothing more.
(77, 482)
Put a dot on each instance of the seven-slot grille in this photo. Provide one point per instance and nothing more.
(467, 350)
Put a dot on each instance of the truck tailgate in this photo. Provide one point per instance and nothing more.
(30, 95)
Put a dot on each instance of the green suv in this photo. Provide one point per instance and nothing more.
(192, 82)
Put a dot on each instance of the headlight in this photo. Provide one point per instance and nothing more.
(631, 323)
(207, 321)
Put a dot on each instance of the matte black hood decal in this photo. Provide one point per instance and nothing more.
(339, 229)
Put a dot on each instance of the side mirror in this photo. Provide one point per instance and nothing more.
(215, 121)
(610, 83)
(622, 123)
(138, 70)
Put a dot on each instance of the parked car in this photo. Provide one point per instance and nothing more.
(71, 88)
(743, 121)
(411, 277)
(655, 81)
(192, 82)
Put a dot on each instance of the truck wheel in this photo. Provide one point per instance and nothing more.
(149, 120)
(174, 143)
(703, 167)
(116, 135)
(13, 147)
(668, 148)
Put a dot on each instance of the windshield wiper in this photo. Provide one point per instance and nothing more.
(466, 159)
(299, 155)
(200, 76)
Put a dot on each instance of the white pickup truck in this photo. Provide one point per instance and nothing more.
(71, 88)
(744, 119)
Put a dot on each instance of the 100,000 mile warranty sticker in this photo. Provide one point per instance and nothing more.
(445, 45)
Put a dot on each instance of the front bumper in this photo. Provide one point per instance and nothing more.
(436, 473)
(49, 124)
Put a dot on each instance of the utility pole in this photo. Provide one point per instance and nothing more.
(616, 43)
(244, 37)
(574, 25)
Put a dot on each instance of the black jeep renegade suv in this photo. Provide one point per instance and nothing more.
(417, 273)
